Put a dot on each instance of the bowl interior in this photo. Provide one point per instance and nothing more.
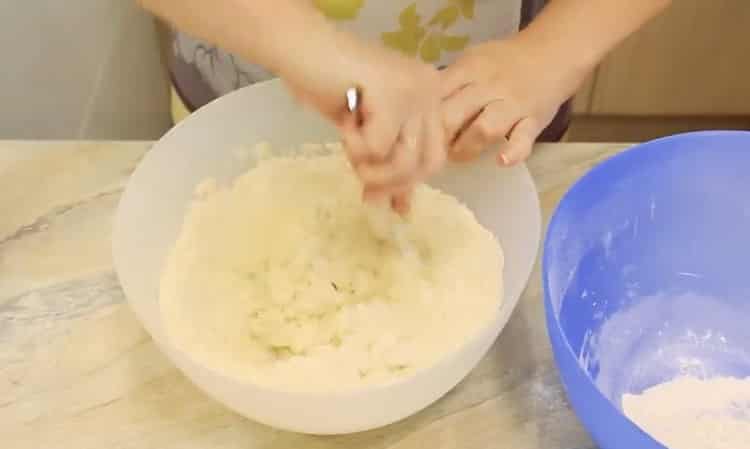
(646, 263)
(154, 203)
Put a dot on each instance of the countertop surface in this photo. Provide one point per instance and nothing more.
(78, 371)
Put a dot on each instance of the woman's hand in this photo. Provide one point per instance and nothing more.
(400, 140)
(503, 92)
(395, 138)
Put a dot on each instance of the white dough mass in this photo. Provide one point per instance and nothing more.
(279, 279)
(688, 413)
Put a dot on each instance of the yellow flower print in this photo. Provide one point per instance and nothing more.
(467, 7)
(430, 51)
(340, 9)
(408, 38)
(431, 40)
(446, 16)
(437, 42)
(453, 43)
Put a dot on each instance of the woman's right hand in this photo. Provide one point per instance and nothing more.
(396, 139)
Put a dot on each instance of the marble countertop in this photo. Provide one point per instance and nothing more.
(78, 371)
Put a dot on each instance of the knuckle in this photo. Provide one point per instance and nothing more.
(459, 149)
(379, 175)
(457, 156)
(355, 153)
(401, 166)
(367, 173)
(435, 161)
(451, 122)
(400, 169)
(518, 154)
(378, 151)
(486, 129)
(404, 157)
(513, 161)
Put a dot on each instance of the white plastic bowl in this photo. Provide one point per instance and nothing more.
(150, 215)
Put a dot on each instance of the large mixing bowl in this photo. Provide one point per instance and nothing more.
(645, 274)
(152, 208)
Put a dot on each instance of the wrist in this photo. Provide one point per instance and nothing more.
(569, 67)
(584, 32)
(561, 50)
(325, 63)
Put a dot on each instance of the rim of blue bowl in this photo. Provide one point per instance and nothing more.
(631, 151)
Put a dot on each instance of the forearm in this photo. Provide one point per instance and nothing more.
(584, 31)
(266, 32)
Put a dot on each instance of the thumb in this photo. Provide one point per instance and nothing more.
(520, 142)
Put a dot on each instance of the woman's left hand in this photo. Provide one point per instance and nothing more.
(503, 92)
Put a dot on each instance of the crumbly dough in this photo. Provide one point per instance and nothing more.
(278, 279)
(688, 413)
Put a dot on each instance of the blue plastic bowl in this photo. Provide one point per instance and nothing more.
(646, 274)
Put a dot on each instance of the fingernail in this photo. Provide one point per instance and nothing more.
(502, 159)
(400, 205)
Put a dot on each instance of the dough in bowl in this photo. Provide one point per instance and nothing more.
(279, 279)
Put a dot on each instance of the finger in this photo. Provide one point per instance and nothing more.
(402, 162)
(520, 142)
(434, 146)
(353, 141)
(460, 109)
(386, 194)
(452, 79)
(380, 133)
(401, 202)
(489, 127)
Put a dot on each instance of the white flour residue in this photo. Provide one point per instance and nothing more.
(686, 345)
(663, 336)
(584, 356)
(652, 211)
(607, 243)
(688, 413)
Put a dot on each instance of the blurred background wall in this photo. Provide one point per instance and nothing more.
(81, 69)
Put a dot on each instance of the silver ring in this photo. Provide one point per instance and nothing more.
(352, 98)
